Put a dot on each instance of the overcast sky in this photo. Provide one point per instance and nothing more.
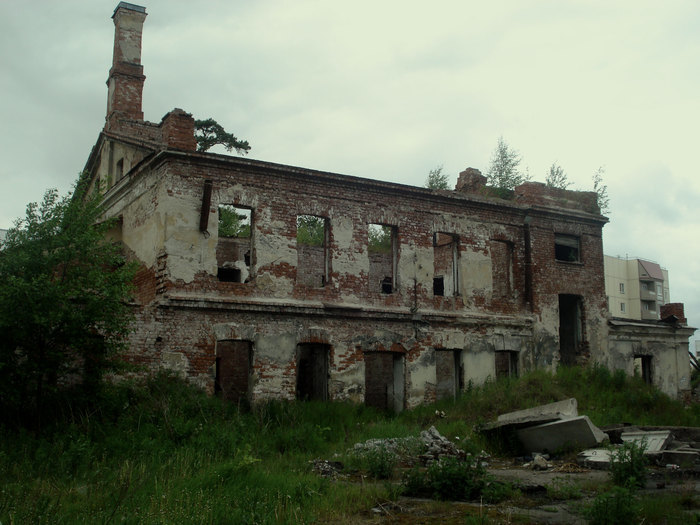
(388, 89)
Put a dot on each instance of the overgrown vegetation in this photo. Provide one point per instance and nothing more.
(63, 305)
(164, 452)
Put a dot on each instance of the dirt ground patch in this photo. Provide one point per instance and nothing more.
(554, 496)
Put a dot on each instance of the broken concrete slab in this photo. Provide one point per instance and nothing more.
(558, 410)
(565, 409)
(596, 458)
(656, 440)
(557, 435)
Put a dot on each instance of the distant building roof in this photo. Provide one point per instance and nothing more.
(653, 270)
(3, 234)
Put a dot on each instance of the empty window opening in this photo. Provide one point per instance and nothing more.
(502, 268)
(381, 248)
(642, 366)
(233, 250)
(445, 264)
(384, 380)
(567, 248)
(570, 328)
(449, 373)
(622, 288)
(439, 286)
(234, 361)
(622, 307)
(120, 169)
(506, 363)
(312, 371)
(312, 250)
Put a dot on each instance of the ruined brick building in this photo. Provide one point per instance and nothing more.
(466, 286)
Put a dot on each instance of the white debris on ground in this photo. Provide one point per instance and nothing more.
(429, 447)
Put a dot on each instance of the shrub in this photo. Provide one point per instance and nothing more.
(379, 462)
(455, 479)
(628, 465)
(614, 507)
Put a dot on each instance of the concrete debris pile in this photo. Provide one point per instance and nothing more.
(429, 447)
(671, 447)
(548, 428)
(327, 469)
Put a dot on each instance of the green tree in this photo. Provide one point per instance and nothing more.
(437, 180)
(601, 190)
(233, 223)
(209, 133)
(63, 303)
(311, 230)
(504, 171)
(379, 238)
(557, 177)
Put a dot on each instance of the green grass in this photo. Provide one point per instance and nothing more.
(163, 452)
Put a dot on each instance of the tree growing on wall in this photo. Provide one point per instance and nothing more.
(504, 172)
(208, 133)
(63, 303)
(437, 180)
(601, 190)
(557, 177)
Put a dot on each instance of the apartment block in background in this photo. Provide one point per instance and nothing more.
(636, 288)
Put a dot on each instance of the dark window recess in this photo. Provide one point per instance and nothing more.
(229, 275)
(382, 252)
(233, 250)
(387, 285)
(439, 286)
(506, 363)
(446, 264)
(313, 256)
(567, 248)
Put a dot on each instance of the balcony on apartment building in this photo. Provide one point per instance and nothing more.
(648, 291)
(650, 310)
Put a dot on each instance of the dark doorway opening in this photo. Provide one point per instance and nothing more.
(312, 371)
(234, 360)
(449, 373)
(642, 365)
(570, 328)
(384, 380)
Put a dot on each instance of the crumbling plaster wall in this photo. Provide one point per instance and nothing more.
(161, 218)
(666, 345)
(182, 336)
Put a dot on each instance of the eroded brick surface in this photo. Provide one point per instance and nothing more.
(498, 303)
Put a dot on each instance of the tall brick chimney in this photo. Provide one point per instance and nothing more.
(125, 82)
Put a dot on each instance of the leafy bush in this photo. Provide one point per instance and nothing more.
(379, 462)
(448, 479)
(614, 507)
(628, 465)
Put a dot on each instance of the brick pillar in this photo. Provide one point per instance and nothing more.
(178, 130)
(676, 309)
(126, 78)
(470, 181)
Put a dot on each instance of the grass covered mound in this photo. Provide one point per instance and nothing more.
(163, 452)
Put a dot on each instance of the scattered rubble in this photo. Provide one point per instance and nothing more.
(549, 428)
(327, 469)
(429, 447)
(663, 448)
